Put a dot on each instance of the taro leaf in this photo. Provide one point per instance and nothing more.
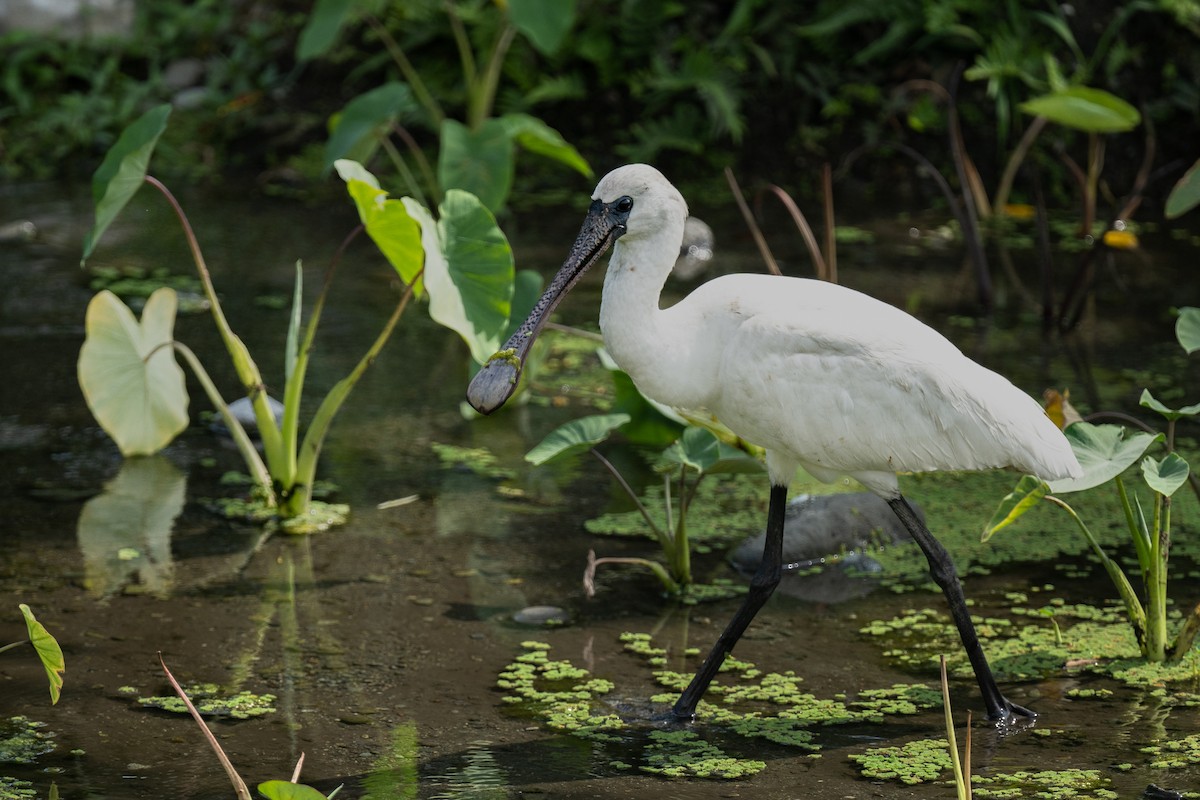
(1187, 329)
(124, 533)
(365, 119)
(575, 437)
(1186, 194)
(1104, 452)
(732, 460)
(538, 137)
(388, 223)
(324, 23)
(473, 295)
(544, 22)
(48, 652)
(1028, 491)
(1085, 109)
(478, 161)
(1167, 475)
(697, 448)
(1151, 402)
(527, 288)
(286, 790)
(139, 399)
(123, 171)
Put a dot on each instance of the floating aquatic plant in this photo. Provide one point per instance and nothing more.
(23, 740)
(210, 700)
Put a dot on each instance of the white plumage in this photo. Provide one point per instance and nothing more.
(821, 376)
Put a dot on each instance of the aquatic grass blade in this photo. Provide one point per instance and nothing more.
(1104, 452)
(239, 785)
(48, 652)
(291, 347)
(123, 171)
(1028, 491)
(129, 377)
(576, 436)
(473, 296)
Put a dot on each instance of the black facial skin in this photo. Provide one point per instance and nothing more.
(497, 379)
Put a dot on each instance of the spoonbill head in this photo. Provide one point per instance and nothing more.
(821, 376)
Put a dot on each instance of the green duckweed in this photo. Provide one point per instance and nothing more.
(210, 700)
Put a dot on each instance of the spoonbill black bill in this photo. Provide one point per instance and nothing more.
(821, 376)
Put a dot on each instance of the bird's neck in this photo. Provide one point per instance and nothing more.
(642, 338)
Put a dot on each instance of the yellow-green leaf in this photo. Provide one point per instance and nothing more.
(48, 652)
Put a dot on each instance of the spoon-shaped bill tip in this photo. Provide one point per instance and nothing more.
(493, 384)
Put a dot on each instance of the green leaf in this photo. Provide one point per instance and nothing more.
(292, 346)
(649, 423)
(538, 137)
(544, 22)
(139, 399)
(473, 296)
(1167, 475)
(1186, 193)
(1187, 329)
(1149, 401)
(286, 790)
(48, 651)
(576, 436)
(1104, 452)
(325, 22)
(388, 223)
(1085, 109)
(1028, 491)
(477, 161)
(123, 171)
(697, 449)
(365, 120)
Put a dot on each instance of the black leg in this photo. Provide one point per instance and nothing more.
(941, 569)
(766, 578)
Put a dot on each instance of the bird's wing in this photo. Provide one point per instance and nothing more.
(850, 384)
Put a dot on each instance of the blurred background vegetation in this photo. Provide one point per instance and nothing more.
(773, 89)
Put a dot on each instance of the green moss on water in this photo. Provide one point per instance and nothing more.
(210, 700)
(919, 761)
(16, 789)
(681, 754)
(1069, 784)
(23, 740)
(478, 460)
(1175, 753)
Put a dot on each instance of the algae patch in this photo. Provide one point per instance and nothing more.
(211, 701)
(23, 740)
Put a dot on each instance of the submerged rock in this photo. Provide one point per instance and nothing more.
(242, 410)
(816, 528)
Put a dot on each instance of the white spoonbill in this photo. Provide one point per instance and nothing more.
(821, 376)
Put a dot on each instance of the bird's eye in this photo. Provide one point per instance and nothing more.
(624, 205)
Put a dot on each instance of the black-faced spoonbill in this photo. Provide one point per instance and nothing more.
(821, 376)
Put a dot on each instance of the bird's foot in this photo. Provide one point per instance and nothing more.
(1012, 717)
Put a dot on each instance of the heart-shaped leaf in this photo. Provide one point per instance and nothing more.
(1151, 402)
(576, 436)
(1104, 452)
(479, 161)
(1186, 194)
(473, 294)
(1187, 329)
(544, 22)
(365, 119)
(388, 222)
(48, 651)
(123, 171)
(1167, 475)
(139, 399)
(285, 790)
(538, 137)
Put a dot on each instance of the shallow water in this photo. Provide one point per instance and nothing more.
(395, 627)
